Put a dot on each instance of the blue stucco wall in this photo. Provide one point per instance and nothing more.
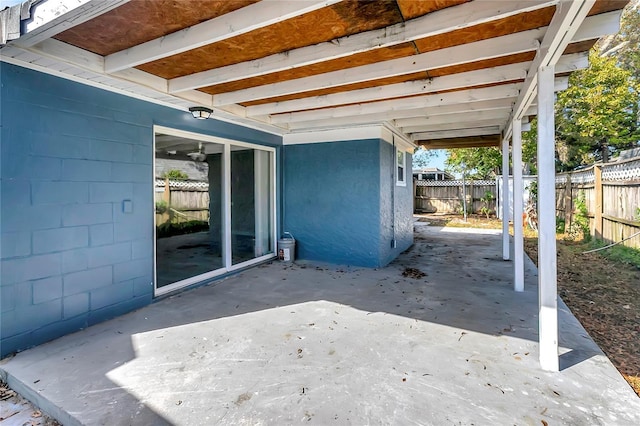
(70, 156)
(396, 206)
(340, 199)
(331, 200)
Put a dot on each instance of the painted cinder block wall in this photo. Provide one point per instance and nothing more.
(76, 202)
(340, 199)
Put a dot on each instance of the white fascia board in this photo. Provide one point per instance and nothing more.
(480, 131)
(438, 22)
(453, 125)
(333, 135)
(395, 115)
(392, 135)
(240, 21)
(448, 82)
(406, 123)
(181, 103)
(52, 17)
(487, 93)
(464, 124)
(500, 46)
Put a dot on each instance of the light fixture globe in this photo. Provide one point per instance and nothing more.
(200, 112)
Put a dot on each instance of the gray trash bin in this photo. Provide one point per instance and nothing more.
(287, 248)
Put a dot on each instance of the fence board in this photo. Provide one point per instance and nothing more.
(446, 196)
(620, 191)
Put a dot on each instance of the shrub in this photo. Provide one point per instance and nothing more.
(169, 229)
(579, 228)
(175, 174)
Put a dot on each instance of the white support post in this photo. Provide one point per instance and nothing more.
(547, 263)
(505, 200)
(227, 258)
(518, 189)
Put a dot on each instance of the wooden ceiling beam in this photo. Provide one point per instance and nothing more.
(569, 20)
(468, 142)
(485, 49)
(53, 17)
(411, 88)
(438, 22)
(461, 96)
(458, 124)
(391, 116)
(499, 46)
(499, 74)
(241, 21)
(459, 133)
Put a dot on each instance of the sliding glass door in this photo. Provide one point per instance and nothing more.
(215, 207)
(251, 207)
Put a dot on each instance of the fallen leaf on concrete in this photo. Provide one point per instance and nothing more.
(413, 273)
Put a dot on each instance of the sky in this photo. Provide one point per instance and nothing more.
(438, 159)
(6, 3)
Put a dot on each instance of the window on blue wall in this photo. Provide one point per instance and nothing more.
(401, 174)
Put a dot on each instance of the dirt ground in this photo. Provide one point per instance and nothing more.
(17, 411)
(603, 294)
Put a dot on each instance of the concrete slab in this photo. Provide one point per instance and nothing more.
(310, 343)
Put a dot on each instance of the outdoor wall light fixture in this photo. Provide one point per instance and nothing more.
(200, 113)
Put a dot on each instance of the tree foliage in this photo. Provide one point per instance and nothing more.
(422, 157)
(598, 113)
(475, 163)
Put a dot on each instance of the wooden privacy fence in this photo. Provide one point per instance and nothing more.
(445, 196)
(612, 197)
(189, 200)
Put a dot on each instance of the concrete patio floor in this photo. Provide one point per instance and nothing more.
(318, 344)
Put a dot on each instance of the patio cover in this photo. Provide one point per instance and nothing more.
(441, 73)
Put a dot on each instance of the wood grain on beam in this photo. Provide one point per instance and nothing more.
(469, 142)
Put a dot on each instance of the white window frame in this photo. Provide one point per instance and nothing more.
(401, 178)
(226, 213)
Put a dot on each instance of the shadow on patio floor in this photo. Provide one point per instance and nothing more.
(283, 344)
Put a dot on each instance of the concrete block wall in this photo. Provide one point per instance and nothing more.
(71, 156)
(396, 206)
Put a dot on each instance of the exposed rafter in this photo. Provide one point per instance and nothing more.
(500, 46)
(241, 21)
(499, 74)
(468, 142)
(460, 133)
(565, 26)
(438, 22)
(53, 17)
(393, 116)
(461, 96)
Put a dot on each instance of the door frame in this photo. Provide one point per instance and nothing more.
(226, 208)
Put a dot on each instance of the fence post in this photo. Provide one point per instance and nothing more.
(568, 204)
(415, 194)
(597, 228)
(166, 197)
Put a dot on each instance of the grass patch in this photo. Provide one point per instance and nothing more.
(169, 229)
(619, 253)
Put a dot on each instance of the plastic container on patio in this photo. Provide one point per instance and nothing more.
(287, 248)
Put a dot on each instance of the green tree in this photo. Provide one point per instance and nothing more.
(597, 112)
(422, 157)
(175, 174)
(476, 163)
